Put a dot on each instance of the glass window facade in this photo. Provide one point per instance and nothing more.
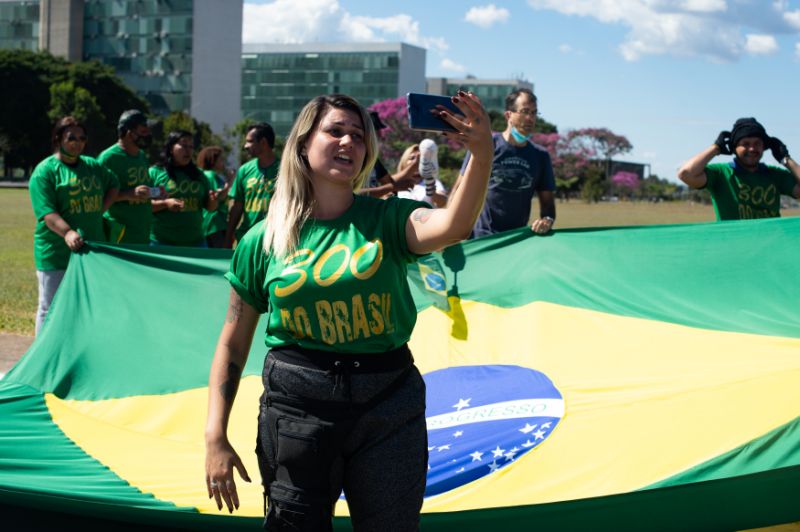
(19, 25)
(275, 86)
(493, 96)
(148, 42)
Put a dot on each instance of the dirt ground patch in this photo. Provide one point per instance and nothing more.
(12, 347)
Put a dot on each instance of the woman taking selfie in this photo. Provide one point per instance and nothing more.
(344, 405)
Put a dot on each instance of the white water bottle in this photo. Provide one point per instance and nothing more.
(429, 165)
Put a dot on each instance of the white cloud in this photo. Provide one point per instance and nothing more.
(715, 29)
(448, 64)
(704, 6)
(303, 21)
(760, 44)
(564, 48)
(486, 16)
(797, 50)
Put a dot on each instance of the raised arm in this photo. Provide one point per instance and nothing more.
(223, 383)
(693, 171)
(781, 154)
(431, 229)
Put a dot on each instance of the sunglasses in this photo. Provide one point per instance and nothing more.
(73, 138)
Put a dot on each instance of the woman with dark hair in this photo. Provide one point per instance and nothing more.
(212, 163)
(178, 219)
(69, 193)
(343, 405)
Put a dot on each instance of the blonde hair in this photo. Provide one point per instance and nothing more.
(401, 164)
(293, 200)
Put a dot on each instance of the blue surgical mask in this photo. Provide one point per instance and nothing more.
(518, 137)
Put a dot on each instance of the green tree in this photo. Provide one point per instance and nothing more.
(67, 99)
(594, 184)
(25, 103)
(201, 132)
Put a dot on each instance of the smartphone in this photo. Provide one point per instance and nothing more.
(155, 192)
(419, 111)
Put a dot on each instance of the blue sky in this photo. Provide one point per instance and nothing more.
(667, 74)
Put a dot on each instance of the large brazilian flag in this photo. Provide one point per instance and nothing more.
(604, 379)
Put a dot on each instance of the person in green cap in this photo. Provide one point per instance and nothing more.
(744, 188)
(69, 193)
(212, 163)
(178, 219)
(128, 219)
(252, 188)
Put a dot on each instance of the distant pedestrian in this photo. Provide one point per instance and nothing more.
(178, 219)
(128, 219)
(520, 169)
(211, 161)
(69, 193)
(744, 188)
(254, 183)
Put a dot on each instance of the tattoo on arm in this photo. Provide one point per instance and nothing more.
(235, 309)
(422, 215)
(229, 388)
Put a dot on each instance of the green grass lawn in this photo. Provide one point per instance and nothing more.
(18, 290)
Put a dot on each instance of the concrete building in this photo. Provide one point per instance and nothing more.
(492, 92)
(180, 55)
(279, 79)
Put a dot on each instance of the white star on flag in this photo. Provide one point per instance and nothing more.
(431, 448)
(539, 434)
(493, 467)
(461, 470)
(498, 452)
(510, 455)
(445, 447)
(458, 433)
(462, 403)
(527, 428)
(528, 443)
(547, 425)
(476, 456)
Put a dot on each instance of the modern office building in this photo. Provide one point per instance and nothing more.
(492, 92)
(279, 79)
(180, 55)
(19, 25)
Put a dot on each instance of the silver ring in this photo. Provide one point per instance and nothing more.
(213, 484)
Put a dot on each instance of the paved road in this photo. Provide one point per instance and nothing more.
(12, 347)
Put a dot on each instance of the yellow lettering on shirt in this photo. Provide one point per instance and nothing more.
(323, 260)
(360, 327)
(376, 323)
(294, 269)
(302, 323)
(325, 320)
(341, 317)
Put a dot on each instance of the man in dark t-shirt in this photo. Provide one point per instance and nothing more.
(520, 169)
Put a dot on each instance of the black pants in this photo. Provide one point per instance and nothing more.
(332, 422)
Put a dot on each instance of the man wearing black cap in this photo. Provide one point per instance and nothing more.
(128, 219)
(745, 188)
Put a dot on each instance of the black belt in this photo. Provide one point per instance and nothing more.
(381, 362)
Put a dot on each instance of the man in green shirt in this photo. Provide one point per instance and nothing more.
(128, 219)
(252, 188)
(745, 188)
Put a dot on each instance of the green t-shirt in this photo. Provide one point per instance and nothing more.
(184, 228)
(253, 186)
(215, 221)
(128, 221)
(741, 195)
(344, 289)
(74, 192)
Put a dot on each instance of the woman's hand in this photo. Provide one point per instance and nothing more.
(173, 204)
(73, 239)
(474, 129)
(221, 460)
